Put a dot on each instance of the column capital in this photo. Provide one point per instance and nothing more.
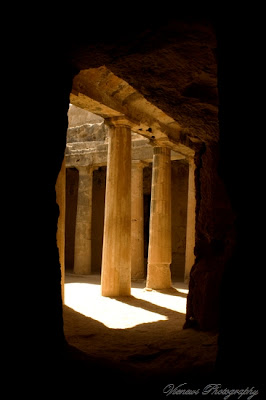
(191, 161)
(157, 149)
(120, 120)
(139, 164)
(86, 169)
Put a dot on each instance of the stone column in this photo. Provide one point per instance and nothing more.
(116, 256)
(137, 220)
(60, 189)
(82, 252)
(191, 215)
(160, 249)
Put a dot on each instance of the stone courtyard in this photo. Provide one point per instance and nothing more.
(139, 171)
(86, 163)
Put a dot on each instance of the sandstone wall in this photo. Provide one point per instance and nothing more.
(98, 199)
(71, 211)
(179, 218)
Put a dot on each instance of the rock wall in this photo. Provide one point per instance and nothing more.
(215, 239)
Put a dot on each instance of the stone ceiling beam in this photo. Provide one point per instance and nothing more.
(100, 91)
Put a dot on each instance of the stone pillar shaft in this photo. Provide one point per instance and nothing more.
(82, 253)
(191, 221)
(116, 256)
(137, 221)
(160, 249)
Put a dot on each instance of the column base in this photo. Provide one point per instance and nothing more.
(115, 292)
(82, 264)
(159, 276)
(82, 270)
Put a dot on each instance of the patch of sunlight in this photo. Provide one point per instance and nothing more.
(86, 299)
(169, 301)
(185, 291)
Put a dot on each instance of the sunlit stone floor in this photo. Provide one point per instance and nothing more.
(143, 331)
